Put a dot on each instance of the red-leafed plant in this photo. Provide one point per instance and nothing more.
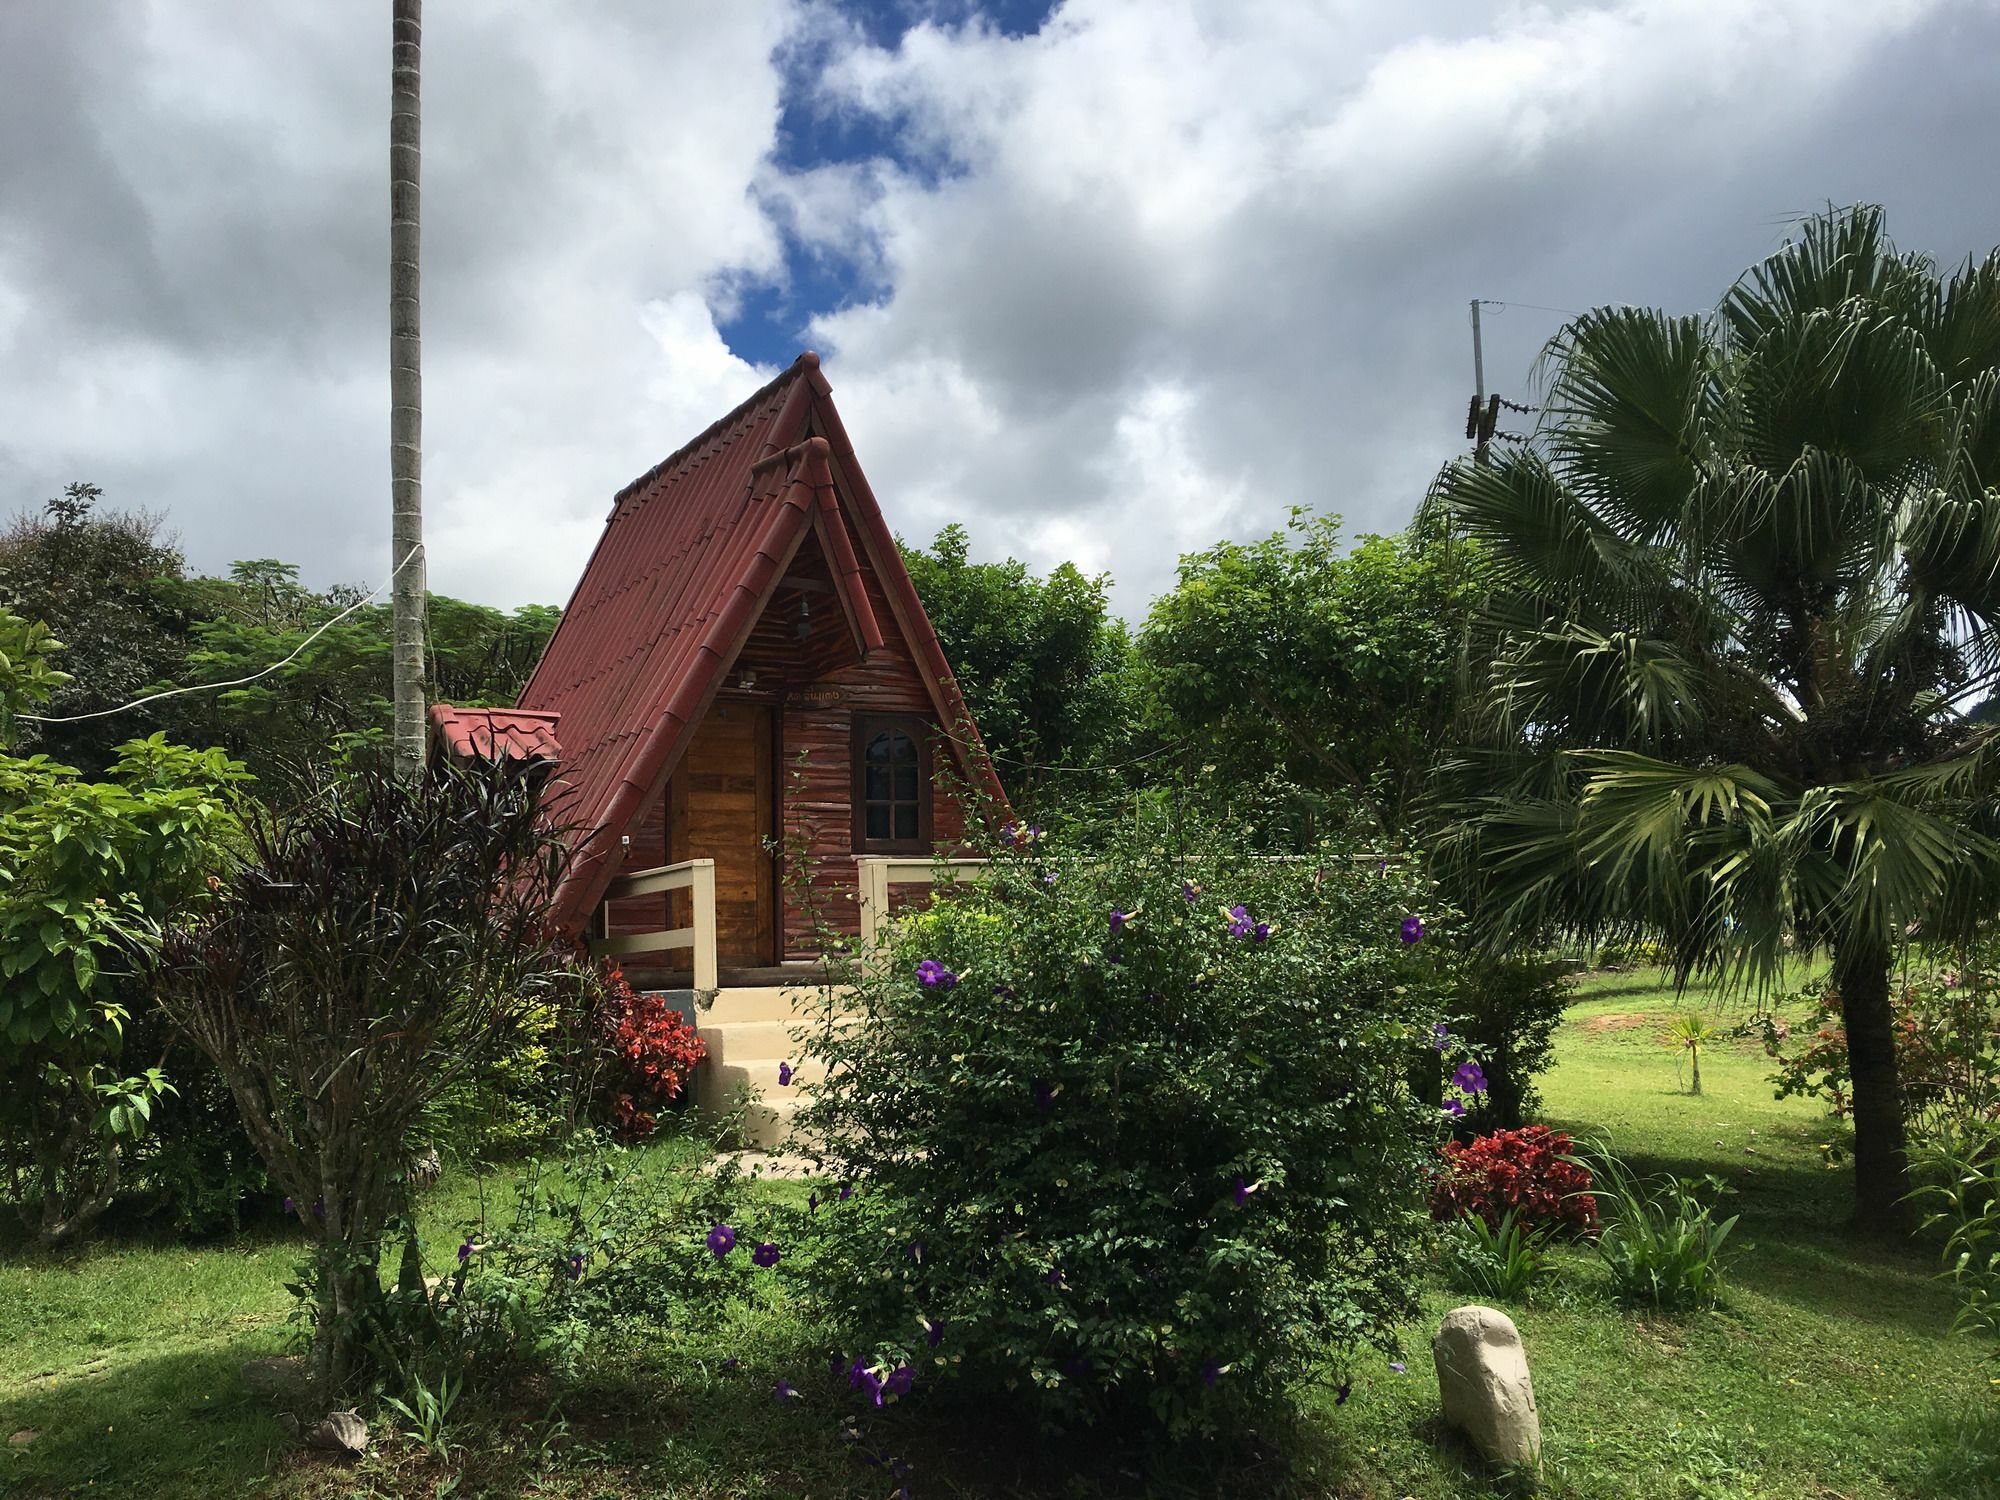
(1523, 1170)
(650, 1051)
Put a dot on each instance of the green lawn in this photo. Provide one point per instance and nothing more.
(1829, 1371)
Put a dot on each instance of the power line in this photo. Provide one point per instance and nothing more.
(202, 687)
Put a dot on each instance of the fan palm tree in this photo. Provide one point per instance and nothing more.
(1747, 600)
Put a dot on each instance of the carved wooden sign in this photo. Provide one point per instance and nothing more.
(821, 695)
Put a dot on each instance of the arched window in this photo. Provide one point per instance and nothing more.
(892, 785)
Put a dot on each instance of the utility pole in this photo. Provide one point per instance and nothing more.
(407, 595)
(1483, 415)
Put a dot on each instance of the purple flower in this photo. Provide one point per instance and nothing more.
(1190, 892)
(1003, 992)
(1211, 1372)
(1413, 929)
(576, 1267)
(1118, 920)
(933, 975)
(319, 1208)
(291, 1207)
(812, 1202)
(721, 1239)
(861, 1378)
(784, 1075)
(1454, 1108)
(731, 1363)
(1440, 1034)
(765, 1255)
(900, 1380)
(1242, 1193)
(933, 1333)
(1340, 1396)
(784, 1392)
(846, 1191)
(465, 1252)
(1240, 923)
(1050, 878)
(1396, 1365)
(1054, 1278)
(1045, 1097)
(1469, 1079)
(1261, 931)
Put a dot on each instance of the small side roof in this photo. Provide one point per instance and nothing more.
(511, 734)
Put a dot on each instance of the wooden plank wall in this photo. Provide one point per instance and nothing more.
(818, 796)
(815, 795)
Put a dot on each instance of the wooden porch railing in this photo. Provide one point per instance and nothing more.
(696, 876)
(880, 871)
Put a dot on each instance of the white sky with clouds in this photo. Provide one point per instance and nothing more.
(1107, 291)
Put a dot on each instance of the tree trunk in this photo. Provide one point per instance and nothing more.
(1694, 1062)
(1881, 1163)
(406, 391)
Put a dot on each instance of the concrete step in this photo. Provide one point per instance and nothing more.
(767, 1123)
(749, 1041)
(770, 1003)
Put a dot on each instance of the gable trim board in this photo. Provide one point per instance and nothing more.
(691, 555)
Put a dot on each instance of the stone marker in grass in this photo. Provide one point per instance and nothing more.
(1483, 1383)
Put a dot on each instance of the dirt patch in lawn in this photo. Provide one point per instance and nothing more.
(1620, 1020)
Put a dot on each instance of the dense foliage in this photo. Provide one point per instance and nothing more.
(1505, 1011)
(1309, 664)
(85, 867)
(1041, 663)
(111, 588)
(1528, 1173)
(1947, 1033)
(336, 1016)
(1130, 1136)
(1743, 599)
(116, 591)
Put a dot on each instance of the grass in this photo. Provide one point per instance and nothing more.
(1828, 1370)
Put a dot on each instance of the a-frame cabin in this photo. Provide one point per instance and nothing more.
(745, 654)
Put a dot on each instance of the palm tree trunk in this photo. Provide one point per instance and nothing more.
(1881, 1163)
(406, 391)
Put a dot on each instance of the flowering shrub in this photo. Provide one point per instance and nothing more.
(650, 1051)
(1506, 1010)
(1524, 1172)
(1947, 1050)
(1149, 1155)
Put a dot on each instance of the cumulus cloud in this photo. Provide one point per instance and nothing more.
(194, 248)
(1195, 263)
(1103, 290)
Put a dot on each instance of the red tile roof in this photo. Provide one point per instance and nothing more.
(516, 734)
(690, 555)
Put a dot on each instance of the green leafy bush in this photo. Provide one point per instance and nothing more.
(1946, 1019)
(1661, 1242)
(1506, 1011)
(85, 868)
(1508, 1260)
(1129, 1138)
(1959, 1190)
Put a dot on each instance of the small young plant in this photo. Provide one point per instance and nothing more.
(1508, 1261)
(1661, 1241)
(428, 1415)
(1687, 1033)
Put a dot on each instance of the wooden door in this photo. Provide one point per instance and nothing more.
(719, 807)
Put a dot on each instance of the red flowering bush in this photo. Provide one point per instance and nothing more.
(649, 1050)
(1523, 1170)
